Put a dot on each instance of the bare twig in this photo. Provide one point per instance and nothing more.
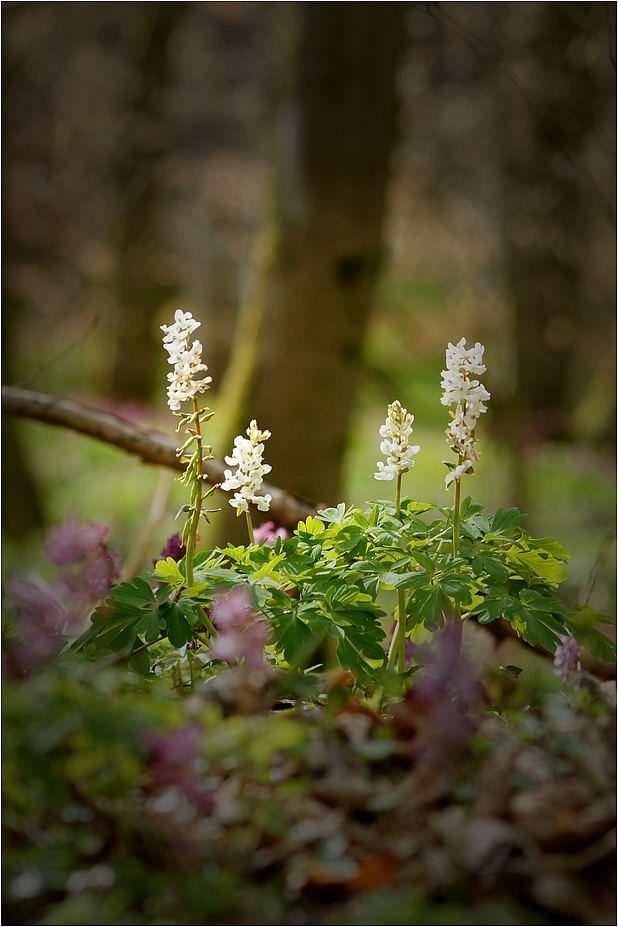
(149, 445)
(542, 112)
(64, 353)
(156, 514)
(599, 562)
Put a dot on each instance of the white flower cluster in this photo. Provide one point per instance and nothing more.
(247, 455)
(396, 445)
(469, 395)
(187, 360)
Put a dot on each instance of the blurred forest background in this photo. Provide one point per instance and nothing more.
(335, 190)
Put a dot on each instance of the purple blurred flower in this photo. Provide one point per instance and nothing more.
(267, 534)
(174, 548)
(242, 635)
(88, 567)
(567, 658)
(70, 540)
(176, 761)
(233, 611)
(45, 614)
(444, 701)
(39, 622)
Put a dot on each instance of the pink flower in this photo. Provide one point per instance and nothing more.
(71, 541)
(242, 636)
(176, 762)
(445, 699)
(267, 534)
(88, 567)
(46, 614)
(567, 658)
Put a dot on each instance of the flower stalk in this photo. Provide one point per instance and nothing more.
(469, 396)
(456, 509)
(183, 386)
(396, 432)
(400, 631)
(250, 527)
(197, 502)
(398, 496)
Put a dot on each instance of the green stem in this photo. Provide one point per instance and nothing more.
(250, 527)
(398, 496)
(209, 625)
(197, 508)
(457, 504)
(144, 646)
(392, 650)
(401, 631)
(456, 508)
(397, 649)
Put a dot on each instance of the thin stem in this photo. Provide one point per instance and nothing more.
(401, 631)
(144, 646)
(197, 508)
(209, 625)
(456, 604)
(397, 649)
(250, 527)
(392, 650)
(398, 496)
(153, 521)
(456, 508)
(461, 459)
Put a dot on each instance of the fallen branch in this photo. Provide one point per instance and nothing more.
(149, 445)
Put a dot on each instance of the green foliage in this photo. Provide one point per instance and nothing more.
(582, 621)
(326, 585)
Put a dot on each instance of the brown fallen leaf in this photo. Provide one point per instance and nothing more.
(376, 870)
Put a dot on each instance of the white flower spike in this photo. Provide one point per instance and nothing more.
(187, 360)
(396, 445)
(247, 455)
(470, 396)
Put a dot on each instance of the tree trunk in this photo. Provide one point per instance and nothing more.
(547, 121)
(336, 137)
(140, 286)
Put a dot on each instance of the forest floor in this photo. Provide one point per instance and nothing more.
(243, 804)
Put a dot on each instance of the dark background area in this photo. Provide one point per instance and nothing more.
(335, 190)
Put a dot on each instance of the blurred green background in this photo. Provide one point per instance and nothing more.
(335, 190)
